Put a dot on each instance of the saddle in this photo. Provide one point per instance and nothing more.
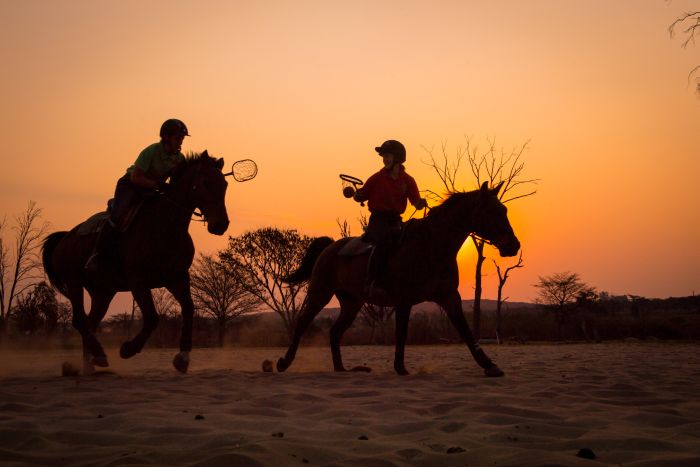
(356, 247)
(94, 223)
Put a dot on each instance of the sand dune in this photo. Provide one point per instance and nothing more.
(627, 403)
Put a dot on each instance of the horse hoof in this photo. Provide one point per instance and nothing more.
(181, 362)
(365, 369)
(494, 372)
(99, 360)
(127, 350)
(282, 365)
(402, 371)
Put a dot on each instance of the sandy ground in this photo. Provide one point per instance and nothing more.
(628, 403)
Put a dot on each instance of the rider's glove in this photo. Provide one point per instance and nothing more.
(421, 203)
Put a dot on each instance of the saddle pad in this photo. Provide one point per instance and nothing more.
(356, 247)
(93, 224)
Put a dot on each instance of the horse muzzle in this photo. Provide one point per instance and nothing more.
(218, 228)
(508, 246)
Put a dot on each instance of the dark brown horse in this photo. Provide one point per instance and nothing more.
(155, 251)
(422, 268)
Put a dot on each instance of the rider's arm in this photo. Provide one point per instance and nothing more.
(414, 195)
(360, 195)
(363, 194)
(139, 178)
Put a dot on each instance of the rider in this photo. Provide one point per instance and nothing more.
(387, 192)
(150, 171)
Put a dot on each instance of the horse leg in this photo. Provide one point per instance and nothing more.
(100, 300)
(93, 353)
(316, 299)
(144, 299)
(402, 314)
(99, 304)
(181, 292)
(452, 305)
(349, 307)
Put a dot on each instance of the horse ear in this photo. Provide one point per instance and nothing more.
(498, 188)
(220, 163)
(485, 187)
(205, 153)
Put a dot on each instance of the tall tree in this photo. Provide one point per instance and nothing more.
(19, 261)
(265, 257)
(502, 279)
(219, 291)
(559, 291)
(491, 165)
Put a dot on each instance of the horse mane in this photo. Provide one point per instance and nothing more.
(454, 198)
(191, 160)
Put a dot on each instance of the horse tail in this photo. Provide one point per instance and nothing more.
(47, 249)
(313, 251)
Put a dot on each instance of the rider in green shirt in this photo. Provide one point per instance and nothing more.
(150, 171)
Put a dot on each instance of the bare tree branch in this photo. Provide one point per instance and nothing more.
(22, 272)
(690, 21)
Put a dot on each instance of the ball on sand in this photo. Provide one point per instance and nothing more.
(267, 366)
(67, 369)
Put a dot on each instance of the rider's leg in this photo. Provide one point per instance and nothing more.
(380, 231)
(124, 195)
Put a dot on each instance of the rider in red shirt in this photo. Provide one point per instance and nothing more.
(387, 193)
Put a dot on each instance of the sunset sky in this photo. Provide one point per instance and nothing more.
(309, 88)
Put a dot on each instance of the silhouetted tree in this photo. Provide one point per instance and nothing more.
(559, 291)
(120, 322)
(19, 262)
(690, 24)
(502, 279)
(375, 316)
(489, 165)
(265, 256)
(219, 291)
(37, 310)
(64, 318)
(168, 316)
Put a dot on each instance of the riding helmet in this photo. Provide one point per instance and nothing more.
(173, 126)
(394, 147)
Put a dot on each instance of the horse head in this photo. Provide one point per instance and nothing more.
(205, 185)
(491, 221)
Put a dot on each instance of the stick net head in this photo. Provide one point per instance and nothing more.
(244, 170)
(350, 180)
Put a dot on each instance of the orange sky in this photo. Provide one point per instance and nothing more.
(308, 88)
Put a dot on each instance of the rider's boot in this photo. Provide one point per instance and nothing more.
(374, 270)
(105, 237)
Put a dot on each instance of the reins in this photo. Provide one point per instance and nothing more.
(190, 209)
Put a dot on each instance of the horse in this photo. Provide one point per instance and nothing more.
(423, 267)
(155, 251)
